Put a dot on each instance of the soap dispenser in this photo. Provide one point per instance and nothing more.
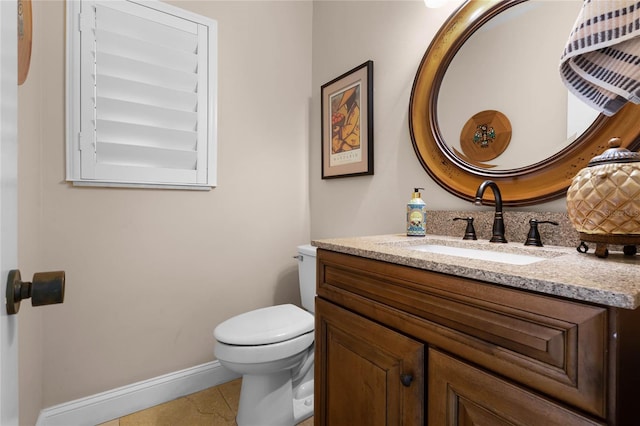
(416, 215)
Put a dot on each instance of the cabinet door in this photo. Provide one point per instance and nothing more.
(366, 374)
(460, 394)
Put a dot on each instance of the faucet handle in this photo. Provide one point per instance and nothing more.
(533, 238)
(470, 232)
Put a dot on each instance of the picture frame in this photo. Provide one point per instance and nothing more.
(347, 123)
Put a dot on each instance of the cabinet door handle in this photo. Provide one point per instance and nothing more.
(406, 379)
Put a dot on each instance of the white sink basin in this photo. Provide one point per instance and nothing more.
(491, 256)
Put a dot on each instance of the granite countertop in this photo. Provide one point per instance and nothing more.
(612, 281)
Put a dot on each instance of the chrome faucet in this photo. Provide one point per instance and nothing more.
(498, 221)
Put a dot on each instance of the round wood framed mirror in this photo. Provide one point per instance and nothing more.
(25, 35)
(539, 181)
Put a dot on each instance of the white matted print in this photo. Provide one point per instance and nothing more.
(347, 124)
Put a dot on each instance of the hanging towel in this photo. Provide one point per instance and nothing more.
(601, 61)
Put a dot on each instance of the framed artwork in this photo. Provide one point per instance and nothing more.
(347, 124)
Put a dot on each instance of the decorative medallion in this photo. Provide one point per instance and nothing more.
(485, 136)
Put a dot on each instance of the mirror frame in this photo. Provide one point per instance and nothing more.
(544, 181)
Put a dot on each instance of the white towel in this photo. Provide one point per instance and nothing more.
(601, 61)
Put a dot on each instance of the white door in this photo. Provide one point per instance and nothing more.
(8, 208)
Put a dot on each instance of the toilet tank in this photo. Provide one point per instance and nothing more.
(307, 276)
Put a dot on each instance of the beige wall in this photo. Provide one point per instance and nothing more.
(150, 273)
(395, 35)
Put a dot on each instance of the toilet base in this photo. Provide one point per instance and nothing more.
(266, 400)
(303, 407)
(275, 393)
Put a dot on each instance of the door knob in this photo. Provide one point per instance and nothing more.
(47, 288)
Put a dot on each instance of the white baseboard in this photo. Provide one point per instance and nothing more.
(119, 402)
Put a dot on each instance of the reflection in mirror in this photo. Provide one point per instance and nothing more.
(510, 65)
(538, 180)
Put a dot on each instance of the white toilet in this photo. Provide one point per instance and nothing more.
(273, 350)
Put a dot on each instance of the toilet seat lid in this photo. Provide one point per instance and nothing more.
(265, 326)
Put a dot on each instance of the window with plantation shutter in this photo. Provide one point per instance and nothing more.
(141, 81)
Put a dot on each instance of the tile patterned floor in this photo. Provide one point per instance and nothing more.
(215, 406)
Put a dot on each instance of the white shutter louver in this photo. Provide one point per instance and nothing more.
(145, 96)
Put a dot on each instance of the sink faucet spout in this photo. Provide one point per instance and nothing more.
(498, 220)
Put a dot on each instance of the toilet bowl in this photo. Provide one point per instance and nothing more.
(272, 348)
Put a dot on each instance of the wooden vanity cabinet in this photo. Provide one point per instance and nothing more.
(460, 394)
(397, 345)
(375, 375)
